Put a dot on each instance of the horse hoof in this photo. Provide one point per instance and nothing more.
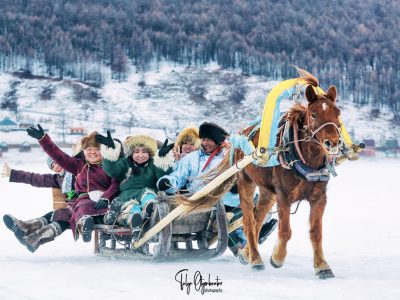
(325, 274)
(274, 264)
(258, 266)
(243, 260)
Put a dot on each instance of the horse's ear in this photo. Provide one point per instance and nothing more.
(331, 93)
(310, 94)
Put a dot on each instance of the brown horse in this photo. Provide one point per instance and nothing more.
(317, 130)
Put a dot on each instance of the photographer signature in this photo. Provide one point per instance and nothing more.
(199, 283)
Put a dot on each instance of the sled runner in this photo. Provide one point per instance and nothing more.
(187, 237)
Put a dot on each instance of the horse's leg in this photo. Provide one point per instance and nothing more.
(322, 268)
(250, 253)
(284, 233)
(264, 205)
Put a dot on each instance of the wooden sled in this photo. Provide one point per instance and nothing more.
(185, 237)
(169, 227)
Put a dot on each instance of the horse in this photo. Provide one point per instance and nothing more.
(317, 130)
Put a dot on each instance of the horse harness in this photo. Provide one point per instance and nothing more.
(290, 157)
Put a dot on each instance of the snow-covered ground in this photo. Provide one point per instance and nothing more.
(168, 98)
(361, 243)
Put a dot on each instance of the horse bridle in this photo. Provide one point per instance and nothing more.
(314, 132)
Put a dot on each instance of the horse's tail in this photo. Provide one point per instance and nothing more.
(308, 77)
(215, 195)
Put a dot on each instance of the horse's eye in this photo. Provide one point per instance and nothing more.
(313, 115)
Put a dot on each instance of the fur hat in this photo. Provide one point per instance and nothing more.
(187, 135)
(89, 141)
(135, 141)
(213, 132)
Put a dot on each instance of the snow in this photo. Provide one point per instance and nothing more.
(361, 244)
(172, 97)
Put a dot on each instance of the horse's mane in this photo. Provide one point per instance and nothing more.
(308, 77)
(296, 114)
(297, 111)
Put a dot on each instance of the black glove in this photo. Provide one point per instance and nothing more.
(105, 140)
(36, 133)
(101, 204)
(165, 148)
(163, 184)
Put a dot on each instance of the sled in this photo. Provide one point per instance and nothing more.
(188, 237)
(171, 225)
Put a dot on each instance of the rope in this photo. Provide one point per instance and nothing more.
(292, 213)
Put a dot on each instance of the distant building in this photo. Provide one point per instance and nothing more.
(77, 131)
(25, 125)
(25, 147)
(3, 147)
(7, 124)
(370, 147)
(391, 148)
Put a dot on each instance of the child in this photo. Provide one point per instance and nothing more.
(137, 172)
(28, 232)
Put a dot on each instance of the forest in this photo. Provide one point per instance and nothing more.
(352, 44)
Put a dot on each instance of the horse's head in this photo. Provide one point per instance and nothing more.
(322, 119)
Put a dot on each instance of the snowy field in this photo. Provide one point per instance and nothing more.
(361, 242)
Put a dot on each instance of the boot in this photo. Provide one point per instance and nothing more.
(43, 235)
(86, 224)
(236, 241)
(135, 220)
(266, 230)
(135, 217)
(148, 208)
(23, 228)
(113, 213)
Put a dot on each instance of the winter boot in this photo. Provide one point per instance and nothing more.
(266, 230)
(43, 235)
(86, 224)
(147, 203)
(236, 241)
(23, 228)
(148, 208)
(135, 220)
(235, 248)
(135, 217)
(113, 213)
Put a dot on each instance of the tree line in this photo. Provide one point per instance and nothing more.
(353, 44)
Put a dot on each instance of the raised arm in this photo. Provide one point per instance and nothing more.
(164, 160)
(34, 179)
(68, 163)
(114, 164)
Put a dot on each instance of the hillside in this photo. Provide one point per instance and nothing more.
(165, 99)
(352, 43)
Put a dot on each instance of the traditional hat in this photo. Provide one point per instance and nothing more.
(89, 141)
(135, 141)
(187, 135)
(213, 132)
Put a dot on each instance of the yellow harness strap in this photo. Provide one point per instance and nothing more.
(270, 106)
